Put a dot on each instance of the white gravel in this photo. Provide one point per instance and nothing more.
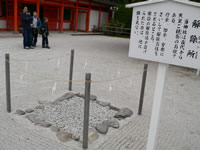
(68, 114)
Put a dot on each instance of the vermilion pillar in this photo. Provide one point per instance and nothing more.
(0, 7)
(15, 16)
(38, 8)
(72, 20)
(76, 18)
(99, 22)
(61, 16)
(88, 20)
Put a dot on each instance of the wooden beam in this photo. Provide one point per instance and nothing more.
(72, 15)
(15, 16)
(38, 8)
(76, 18)
(99, 22)
(88, 20)
(61, 16)
(1, 8)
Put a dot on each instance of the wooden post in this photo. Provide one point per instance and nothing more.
(198, 71)
(76, 19)
(88, 20)
(7, 67)
(86, 110)
(142, 89)
(38, 8)
(15, 16)
(72, 21)
(0, 7)
(155, 115)
(71, 70)
(99, 22)
(61, 16)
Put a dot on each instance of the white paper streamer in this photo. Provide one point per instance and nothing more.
(54, 88)
(110, 88)
(85, 65)
(118, 72)
(22, 76)
(26, 66)
(58, 63)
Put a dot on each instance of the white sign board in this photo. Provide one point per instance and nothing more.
(166, 32)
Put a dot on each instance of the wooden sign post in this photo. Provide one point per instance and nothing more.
(155, 115)
(198, 71)
(167, 32)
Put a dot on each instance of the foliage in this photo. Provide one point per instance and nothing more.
(123, 15)
(113, 28)
(196, 1)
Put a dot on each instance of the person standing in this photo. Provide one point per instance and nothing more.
(26, 20)
(36, 25)
(45, 34)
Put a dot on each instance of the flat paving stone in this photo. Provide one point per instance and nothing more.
(55, 129)
(64, 136)
(102, 128)
(20, 112)
(92, 97)
(123, 113)
(29, 110)
(34, 118)
(45, 124)
(40, 107)
(114, 108)
(102, 103)
(114, 123)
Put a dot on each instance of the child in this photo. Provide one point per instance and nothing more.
(45, 34)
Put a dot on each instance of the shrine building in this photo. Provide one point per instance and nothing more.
(63, 15)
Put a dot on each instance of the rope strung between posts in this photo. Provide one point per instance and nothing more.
(40, 59)
(80, 81)
(81, 55)
(106, 60)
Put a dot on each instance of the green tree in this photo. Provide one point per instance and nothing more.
(124, 15)
(196, 1)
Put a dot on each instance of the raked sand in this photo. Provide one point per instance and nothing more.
(42, 74)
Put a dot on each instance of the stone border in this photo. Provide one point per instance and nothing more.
(63, 135)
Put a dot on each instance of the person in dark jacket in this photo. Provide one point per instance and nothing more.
(27, 20)
(45, 33)
(36, 25)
